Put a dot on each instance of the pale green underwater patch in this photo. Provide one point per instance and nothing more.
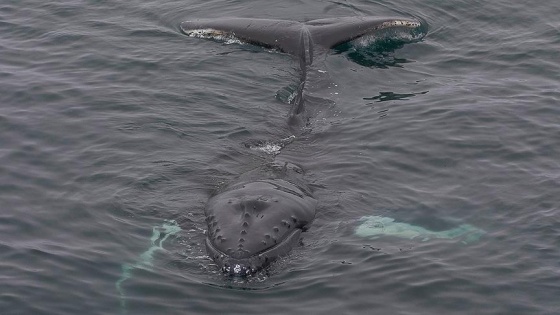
(145, 260)
(371, 227)
(377, 226)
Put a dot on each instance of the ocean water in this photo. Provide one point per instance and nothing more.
(114, 127)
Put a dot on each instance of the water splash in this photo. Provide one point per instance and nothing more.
(270, 147)
(377, 49)
(386, 37)
(209, 33)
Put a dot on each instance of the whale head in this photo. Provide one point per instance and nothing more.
(251, 224)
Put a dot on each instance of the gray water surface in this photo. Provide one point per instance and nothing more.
(112, 122)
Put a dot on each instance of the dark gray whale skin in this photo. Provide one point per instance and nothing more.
(262, 215)
(253, 222)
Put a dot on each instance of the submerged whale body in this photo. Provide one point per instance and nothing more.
(260, 218)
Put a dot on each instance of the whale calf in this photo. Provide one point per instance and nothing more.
(261, 216)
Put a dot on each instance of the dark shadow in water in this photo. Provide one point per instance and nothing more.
(243, 286)
(378, 51)
(379, 54)
(391, 96)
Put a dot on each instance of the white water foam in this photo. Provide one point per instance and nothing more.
(397, 30)
(210, 33)
(272, 148)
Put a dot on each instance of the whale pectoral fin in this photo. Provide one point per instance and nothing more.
(332, 32)
(145, 260)
(263, 32)
(376, 226)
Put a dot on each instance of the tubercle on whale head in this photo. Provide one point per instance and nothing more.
(238, 269)
(253, 223)
(248, 265)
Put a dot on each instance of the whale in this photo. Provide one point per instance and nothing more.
(261, 216)
(258, 218)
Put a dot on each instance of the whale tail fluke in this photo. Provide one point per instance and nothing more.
(332, 32)
(277, 34)
(299, 37)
